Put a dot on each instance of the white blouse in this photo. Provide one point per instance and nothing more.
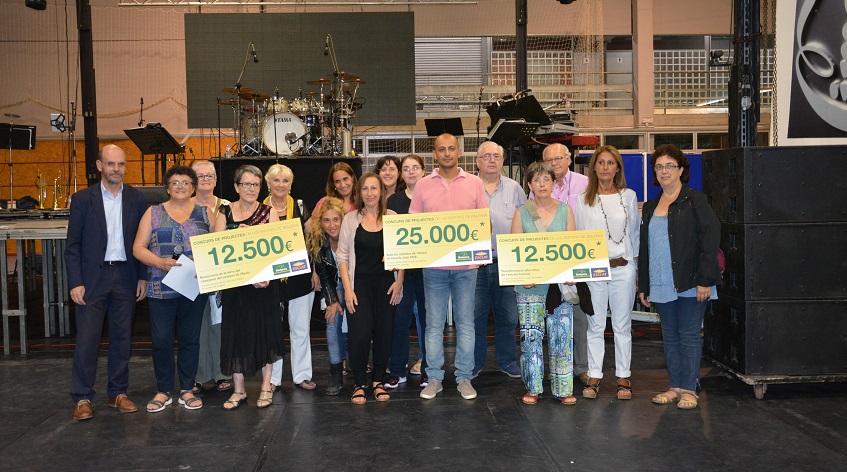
(624, 221)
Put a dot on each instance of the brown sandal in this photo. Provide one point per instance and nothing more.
(380, 393)
(624, 389)
(591, 388)
(358, 397)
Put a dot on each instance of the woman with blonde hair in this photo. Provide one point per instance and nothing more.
(608, 205)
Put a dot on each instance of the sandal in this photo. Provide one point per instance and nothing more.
(197, 388)
(666, 398)
(266, 396)
(233, 402)
(569, 400)
(380, 393)
(358, 397)
(591, 388)
(192, 403)
(223, 385)
(624, 389)
(529, 399)
(344, 370)
(688, 403)
(307, 385)
(159, 405)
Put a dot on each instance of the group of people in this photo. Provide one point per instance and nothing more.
(119, 251)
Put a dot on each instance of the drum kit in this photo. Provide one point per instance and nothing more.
(319, 122)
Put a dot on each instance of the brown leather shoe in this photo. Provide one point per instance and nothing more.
(83, 411)
(123, 404)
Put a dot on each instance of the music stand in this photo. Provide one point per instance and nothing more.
(526, 107)
(155, 139)
(511, 133)
(16, 137)
(437, 127)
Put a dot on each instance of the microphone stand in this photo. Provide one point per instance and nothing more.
(238, 95)
(141, 124)
(72, 135)
(337, 90)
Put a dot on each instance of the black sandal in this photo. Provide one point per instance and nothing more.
(380, 393)
(358, 392)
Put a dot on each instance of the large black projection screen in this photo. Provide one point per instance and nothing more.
(378, 47)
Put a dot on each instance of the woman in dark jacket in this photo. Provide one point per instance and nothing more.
(678, 269)
(322, 241)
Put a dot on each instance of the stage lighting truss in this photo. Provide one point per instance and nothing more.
(260, 3)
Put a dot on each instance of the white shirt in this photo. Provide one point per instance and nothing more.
(113, 205)
(619, 217)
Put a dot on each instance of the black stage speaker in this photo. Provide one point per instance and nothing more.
(782, 307)
(777, 337)
(777, 184)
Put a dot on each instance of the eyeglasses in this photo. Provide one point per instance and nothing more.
(249, 185)
(556, 159)
(180, 183)
(489, 157)
(541, 180)
(668, 167)
(410, 169)
(205, 176)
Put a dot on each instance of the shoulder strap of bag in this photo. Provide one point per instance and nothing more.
(536, 218)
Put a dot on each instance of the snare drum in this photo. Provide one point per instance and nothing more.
(276, 105)
(300, 106)
(283, 133)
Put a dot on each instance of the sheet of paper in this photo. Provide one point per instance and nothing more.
(183, 278)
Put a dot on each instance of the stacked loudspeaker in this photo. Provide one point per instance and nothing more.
(782, 308)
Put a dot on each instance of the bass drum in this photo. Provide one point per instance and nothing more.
(283, 134)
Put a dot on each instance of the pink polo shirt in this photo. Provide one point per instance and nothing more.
(434, 193)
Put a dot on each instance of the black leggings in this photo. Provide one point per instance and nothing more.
(373, 321)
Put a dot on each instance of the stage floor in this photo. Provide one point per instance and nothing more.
(795, 427)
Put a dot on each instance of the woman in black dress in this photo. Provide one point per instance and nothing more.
(251, 329)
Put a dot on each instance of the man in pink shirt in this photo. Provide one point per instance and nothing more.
(449, 188)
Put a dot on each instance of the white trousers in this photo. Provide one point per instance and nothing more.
(299, 318)
(617, 294)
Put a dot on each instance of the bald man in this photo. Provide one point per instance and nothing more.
(104, 277)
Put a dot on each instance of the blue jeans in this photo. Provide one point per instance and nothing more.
(489, 294)
(413, 296)
(187, 317)
(336, 341)
(682, 320)
(460, 285)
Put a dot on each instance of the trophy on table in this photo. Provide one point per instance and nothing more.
(60, 190)
(41, 185)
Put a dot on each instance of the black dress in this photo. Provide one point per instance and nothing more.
(251, 329)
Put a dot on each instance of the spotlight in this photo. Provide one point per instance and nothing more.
(37, 4)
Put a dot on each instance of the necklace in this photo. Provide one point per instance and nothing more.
(625, 219)
(279, 210)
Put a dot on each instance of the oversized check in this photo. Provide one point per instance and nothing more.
(438, 239)
(544, 258)
(248, 255)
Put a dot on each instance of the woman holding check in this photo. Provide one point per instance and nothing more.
(542, 214)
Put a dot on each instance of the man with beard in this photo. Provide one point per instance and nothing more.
(104, 276)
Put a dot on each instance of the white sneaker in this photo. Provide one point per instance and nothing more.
(466, 389)
(432, 389)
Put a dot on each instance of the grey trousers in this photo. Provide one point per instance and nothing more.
(209, 367)
(580, 341)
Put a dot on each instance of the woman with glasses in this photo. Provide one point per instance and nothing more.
(209, 367)
(296, 293)
(678, 269)
(251, 329)
(413, 300)
(388, 170)
(609, 206)
(163, 235)
(541, 214)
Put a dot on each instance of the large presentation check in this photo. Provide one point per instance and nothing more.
(439, 239)
(248, 255)
(543, 258)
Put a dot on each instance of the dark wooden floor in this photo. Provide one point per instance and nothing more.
(795, 427)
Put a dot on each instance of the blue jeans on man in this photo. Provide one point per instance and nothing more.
(490, 295)
(439, 285)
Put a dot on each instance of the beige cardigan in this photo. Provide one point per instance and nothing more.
(346, 248)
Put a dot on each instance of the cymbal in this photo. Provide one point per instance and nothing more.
(231, 102)
(320, 81)
(254, 95)
(243, 90)
(344, 76)
(313, 94)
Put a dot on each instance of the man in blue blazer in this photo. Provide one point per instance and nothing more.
(104, 277)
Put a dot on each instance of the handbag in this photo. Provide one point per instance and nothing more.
(585, 298)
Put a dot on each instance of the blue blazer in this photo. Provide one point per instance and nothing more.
(87, 237)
